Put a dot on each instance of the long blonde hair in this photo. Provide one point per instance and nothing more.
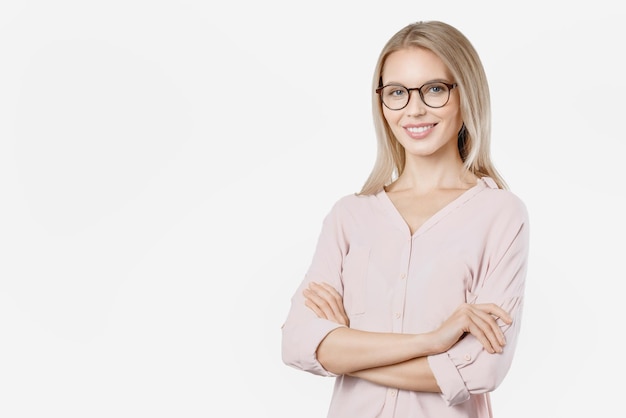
(459, 55)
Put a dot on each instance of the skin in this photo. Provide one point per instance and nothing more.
(432, 178)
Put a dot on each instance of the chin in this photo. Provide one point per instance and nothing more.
(421, 150)
(427, 147)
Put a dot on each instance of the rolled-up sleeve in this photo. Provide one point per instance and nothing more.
(467, 368)
(303, 331)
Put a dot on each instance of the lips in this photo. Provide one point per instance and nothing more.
(419, 131)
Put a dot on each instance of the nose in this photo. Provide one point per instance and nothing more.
(415, 106)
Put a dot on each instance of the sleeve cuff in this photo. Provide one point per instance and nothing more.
(453, 389)
(309, 348)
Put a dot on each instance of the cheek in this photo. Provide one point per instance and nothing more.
(459, 120)
(453, 116)
(391, 117)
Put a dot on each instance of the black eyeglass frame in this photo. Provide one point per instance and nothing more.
(450, 86)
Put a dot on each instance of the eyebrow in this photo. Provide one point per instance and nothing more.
(436, 80)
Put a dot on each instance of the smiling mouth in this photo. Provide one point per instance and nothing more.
(419, 129)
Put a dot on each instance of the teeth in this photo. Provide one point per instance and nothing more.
(419, 129)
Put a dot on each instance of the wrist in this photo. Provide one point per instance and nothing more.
(427, 344)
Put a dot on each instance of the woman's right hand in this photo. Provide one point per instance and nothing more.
(476, 319)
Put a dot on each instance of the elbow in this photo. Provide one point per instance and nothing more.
(301, 357)
(488, 384)
(290, 353)
(289, 350)
(490, 379)
(287, 358)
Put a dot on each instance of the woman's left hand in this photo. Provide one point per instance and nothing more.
(326, 302)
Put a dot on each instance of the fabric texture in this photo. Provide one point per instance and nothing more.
(473, 250)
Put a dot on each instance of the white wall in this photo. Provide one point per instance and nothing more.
(165, 166)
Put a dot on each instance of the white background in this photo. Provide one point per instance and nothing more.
(165, 167)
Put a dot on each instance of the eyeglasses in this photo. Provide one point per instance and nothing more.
(434, 94)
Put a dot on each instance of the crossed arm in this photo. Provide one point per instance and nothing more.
(398, 360)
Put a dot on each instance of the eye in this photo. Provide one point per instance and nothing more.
(435, 89)
(394, 92)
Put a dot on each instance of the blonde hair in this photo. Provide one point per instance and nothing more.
(459, 55)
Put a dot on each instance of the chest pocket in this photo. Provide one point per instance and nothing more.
(354, 279)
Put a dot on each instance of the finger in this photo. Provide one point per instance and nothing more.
(332, 291)
(490, 331)
(490, 311)
(494, 334)
(490, 326)
(337, 299)
(320, 302)
(477, 332)
(495, 310)
(328, 307)
(484, 327)
(332, 298)
(314, 308)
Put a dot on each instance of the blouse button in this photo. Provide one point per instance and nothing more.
(398, 315)
(468, 357)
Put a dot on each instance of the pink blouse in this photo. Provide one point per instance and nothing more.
(474, 250)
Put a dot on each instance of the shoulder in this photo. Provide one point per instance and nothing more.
(355, 201)
(503, 202)
(505, 199)
(355, 206)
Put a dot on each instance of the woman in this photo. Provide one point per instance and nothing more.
(413, 299)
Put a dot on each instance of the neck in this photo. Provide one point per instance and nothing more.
(423, 174)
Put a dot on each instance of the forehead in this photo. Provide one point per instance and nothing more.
(414, 66)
